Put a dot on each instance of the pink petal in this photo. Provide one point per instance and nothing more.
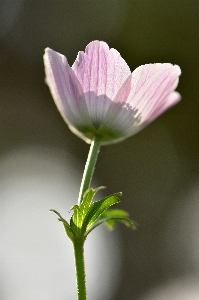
(171, 100)
(151, 85)
(65, 88)
(120, 115)
(121, 120)
(101, 72)
(142, 98)
(99, 96)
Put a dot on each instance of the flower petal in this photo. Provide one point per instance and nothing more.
(151, 85)
(142, 98)
(120, 115)
(171, 100)
(65, 89)
(99, 96)
(121, 121)
(101, 72)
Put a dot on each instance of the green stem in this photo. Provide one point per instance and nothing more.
(89, 167)
(77, 243)
(80, 270)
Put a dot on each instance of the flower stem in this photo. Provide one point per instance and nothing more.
(80, 271)
(89, 167)
(78, 244)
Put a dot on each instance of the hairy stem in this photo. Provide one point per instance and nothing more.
(89, 167)
(80, 270)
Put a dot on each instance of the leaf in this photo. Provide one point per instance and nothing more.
(126, 221)
(74, 221)
(111, 213)
(81, 210)
(111, 222)
(115, 212)
(110, 217)
(97, 208)
(119, 215)
(115, 215)
(87, 199)
(70, 233)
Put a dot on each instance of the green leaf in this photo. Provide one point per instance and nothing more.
(111, 213)
(110, 217)
(80, 212)
(111, 223)
(97, 208)
(87, 199)
(115, 212)
(118, 215)
(74, 221)
(126, 221)
(70, 233)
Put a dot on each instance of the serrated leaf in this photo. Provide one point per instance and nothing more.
(75, 220)
(67, 227)
(87, 199)
(115, 212)
(111, 222)
(75, 216)
(97, 208)
(74, 207)
(126, 221)
(80, 211)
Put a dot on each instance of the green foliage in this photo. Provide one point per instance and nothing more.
(70, 233)
(88, 215)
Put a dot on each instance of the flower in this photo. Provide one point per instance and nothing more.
(99, 96)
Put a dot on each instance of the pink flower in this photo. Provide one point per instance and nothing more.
(99, 96)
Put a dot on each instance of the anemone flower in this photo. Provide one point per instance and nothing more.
(99, 96)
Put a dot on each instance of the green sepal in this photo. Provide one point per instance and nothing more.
(97, 208)
(70, 233)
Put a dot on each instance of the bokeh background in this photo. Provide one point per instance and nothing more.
(42, 161)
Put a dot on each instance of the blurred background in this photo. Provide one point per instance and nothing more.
(41, 161)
